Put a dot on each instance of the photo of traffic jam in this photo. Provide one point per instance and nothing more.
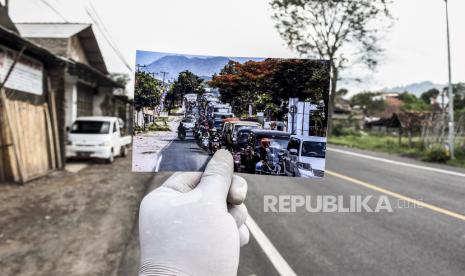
(277, 127)
(257, 146)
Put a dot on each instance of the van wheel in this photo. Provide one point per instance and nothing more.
(111, 158)
(124, 151)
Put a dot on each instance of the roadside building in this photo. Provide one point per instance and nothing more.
(60, 75)
(29, 132)
(86, 82)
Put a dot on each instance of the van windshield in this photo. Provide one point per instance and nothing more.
(314, 149)
(90, 127)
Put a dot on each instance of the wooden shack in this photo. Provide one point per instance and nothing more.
(29, 131)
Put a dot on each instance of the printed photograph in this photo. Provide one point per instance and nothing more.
(269, 113)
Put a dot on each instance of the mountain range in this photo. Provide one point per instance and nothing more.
(415, 88)
(203, 67)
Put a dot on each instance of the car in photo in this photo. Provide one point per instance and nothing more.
(278, 145)
(188, 123)
(222, 115)
(305, 156)
(231, 138)
(97, 137)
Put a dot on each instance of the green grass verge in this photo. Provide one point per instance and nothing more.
(389, 144)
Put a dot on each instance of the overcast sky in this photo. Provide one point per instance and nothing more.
(415, 47)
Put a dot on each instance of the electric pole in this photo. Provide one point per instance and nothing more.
(450, 89)
(140, 66)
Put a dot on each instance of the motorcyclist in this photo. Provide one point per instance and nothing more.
(262, 153)
(181, 130)
(214, 133)
(213, 136)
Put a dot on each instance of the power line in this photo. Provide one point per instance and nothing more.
(50, 6)
(101, 27)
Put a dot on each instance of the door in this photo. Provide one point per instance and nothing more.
(84, 100)
(115, 139)
(292, 158)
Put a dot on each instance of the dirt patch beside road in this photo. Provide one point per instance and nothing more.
(70, 224)
(147, 145)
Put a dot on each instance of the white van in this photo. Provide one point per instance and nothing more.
(97, 137)
(305, 156)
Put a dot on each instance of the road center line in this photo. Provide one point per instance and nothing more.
(397, 162)
(271, 252)
(398, 196)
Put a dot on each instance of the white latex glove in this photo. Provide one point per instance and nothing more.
(194, 223)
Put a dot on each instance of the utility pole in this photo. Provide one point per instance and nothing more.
(164, 74)
(450, 88)
(140, 66)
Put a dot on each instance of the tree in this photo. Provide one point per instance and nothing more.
(459, 95)
(342, 92)
(426, 96)
(335, 30)
(187, 82)
(242, 84)
(371, 103)
(412, 103)
(147, 92)
(270, 83)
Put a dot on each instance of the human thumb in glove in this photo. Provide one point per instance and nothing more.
(194, 223)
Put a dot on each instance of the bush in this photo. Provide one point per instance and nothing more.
(155, 127)
(437, 153)
(339, 130)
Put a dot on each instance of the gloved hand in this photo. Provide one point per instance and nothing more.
(194, 223)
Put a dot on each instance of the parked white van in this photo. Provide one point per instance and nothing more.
(97, 137)
(305, 156)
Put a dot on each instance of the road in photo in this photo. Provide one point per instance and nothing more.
(183, 155)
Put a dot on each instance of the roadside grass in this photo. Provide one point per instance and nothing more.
(158, 127)
(390, 144)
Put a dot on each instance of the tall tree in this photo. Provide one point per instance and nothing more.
(187, 82)
(147, 92)
(340, 31)
(371, 103)
(428, 95)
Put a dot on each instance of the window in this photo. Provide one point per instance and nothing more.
(314, 149)
(293, 144)
(114, 128)
(90, 127)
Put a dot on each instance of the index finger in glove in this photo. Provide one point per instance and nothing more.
(237, 191)
(216, 179)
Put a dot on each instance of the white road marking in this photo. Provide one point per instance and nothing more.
(398, 162)
(271, 252)
(160, 158)
(157, 167)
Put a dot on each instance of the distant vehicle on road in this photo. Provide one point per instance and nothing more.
(306, 156)
(222, 115)
(97, 137)
(222, 108)
(188, 123)
(231, 137)
(191, 97)
(278, 141)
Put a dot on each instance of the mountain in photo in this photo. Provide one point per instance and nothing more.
(174, 64)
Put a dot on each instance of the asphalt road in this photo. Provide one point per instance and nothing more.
(408, 241)
(183, 155)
